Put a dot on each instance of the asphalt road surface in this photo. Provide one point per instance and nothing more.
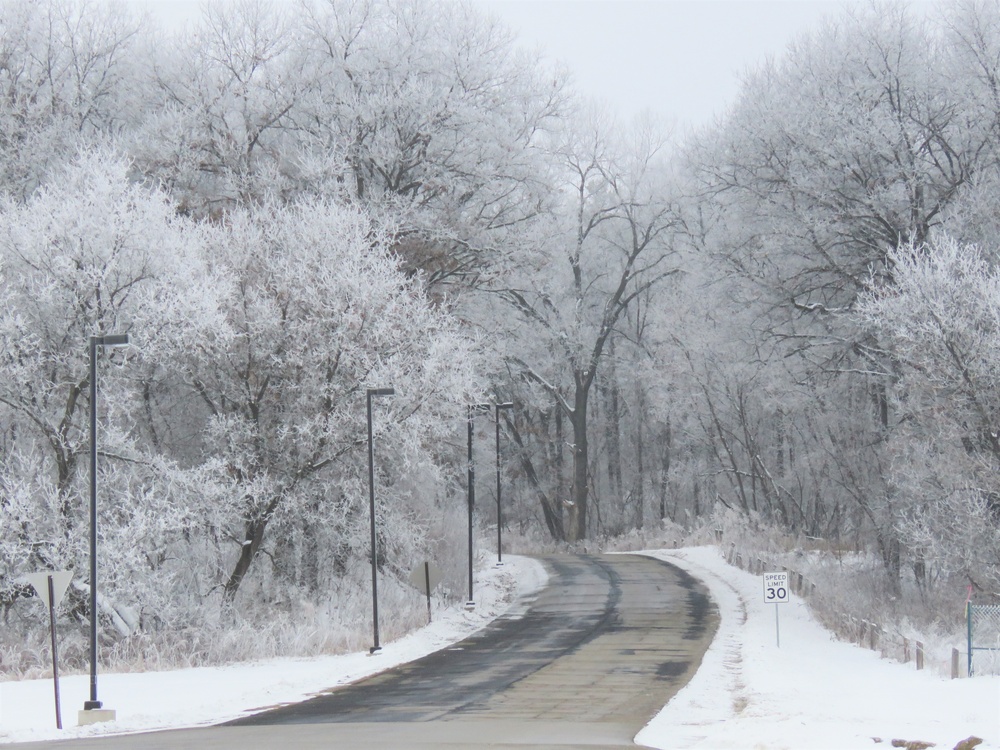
(585, 665)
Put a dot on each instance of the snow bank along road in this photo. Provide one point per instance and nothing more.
(585, 664)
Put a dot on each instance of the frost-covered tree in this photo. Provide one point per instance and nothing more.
(82, 257)
(315, 309)
(853, 142)
(941, 320)
(216, 131)
(67, 73)
(431, 108)
(609, 244)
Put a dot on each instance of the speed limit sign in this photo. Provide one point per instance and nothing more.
(776, 592)
(776, 588)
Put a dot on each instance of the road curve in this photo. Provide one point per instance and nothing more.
(598, 652)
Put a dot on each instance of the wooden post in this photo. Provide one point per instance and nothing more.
(920, 655)
(873, 637)
(427, 587)
(954, 663)
(906, 650)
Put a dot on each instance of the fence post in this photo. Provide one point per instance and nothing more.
(906, 650)
(954, 664)
(968, 627)
(873, 636)
(920, 655)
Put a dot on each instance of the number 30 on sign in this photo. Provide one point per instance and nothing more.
(776, 588)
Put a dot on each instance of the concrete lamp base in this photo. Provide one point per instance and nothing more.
(95, 716)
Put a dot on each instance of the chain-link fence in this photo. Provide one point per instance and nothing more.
(984, 635)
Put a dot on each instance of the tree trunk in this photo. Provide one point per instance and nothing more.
(551, 511)
(612, 426)
(248, 551)
(640, 468)
(578, 504)
(252, 540)
(560, 461)
(665, 446)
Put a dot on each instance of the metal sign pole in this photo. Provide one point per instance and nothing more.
(55, 652)
(50, 588)
(777, 629)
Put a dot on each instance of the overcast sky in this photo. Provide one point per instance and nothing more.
(679, 58)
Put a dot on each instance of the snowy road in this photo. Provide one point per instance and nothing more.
(589, 662)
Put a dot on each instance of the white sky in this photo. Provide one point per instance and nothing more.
(678, 58)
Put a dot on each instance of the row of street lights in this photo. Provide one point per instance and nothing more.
(118, 340)
(473, 409)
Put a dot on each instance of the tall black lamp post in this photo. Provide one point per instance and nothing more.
(473, 408)
(107, 341)
(371, 392)
(500, 407)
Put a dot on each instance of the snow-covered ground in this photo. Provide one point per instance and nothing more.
(208, 695)
(812, 692)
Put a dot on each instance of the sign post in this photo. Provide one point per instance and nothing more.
(424, 578)
(51, 587)
(776, 592)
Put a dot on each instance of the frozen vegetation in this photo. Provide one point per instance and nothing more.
(778, 334)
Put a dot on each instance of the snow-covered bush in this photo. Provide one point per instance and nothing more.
(940, 321)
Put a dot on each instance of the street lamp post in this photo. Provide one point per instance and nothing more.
(473, 408)
(107, 341)
(500, 407)
(371, 508)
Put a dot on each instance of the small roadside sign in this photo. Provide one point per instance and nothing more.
(424, 578)
(776, 592)
(51, 587)
(776, 588)
(60, 582)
